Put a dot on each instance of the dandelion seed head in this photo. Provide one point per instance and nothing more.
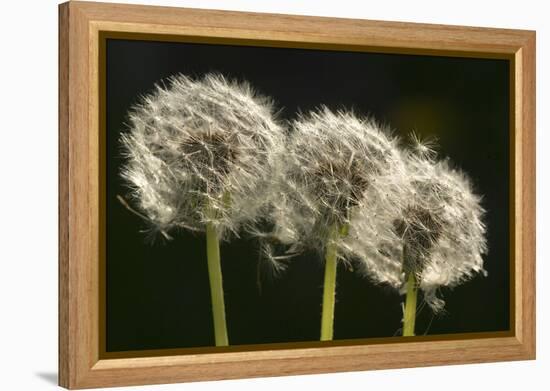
(335, 162)
(201, 150)
(438, 233)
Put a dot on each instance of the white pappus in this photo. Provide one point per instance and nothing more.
(335, 162)
(201, 151)
(437, 233)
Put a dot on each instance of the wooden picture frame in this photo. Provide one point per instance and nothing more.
(81, 25)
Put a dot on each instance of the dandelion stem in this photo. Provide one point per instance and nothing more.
(329, 288)
(216, 284)
(410, 306)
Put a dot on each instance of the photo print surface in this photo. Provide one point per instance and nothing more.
(259, 195)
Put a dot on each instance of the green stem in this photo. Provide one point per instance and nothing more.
(410, 306)
(329, 288)
(216, 284)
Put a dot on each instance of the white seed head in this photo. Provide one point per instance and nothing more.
(335, 163)
(437, 233)
(201, 151)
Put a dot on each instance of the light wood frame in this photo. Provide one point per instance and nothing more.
(80, 24)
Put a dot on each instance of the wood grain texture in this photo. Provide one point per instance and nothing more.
(63, 309)
(80, 168)
(528, 218)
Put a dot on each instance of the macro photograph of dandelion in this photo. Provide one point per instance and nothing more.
(277, 196)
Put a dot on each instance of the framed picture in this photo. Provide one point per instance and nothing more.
(247, 195)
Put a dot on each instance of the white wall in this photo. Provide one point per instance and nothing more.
(28, 194)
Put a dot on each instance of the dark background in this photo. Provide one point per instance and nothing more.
(158, 294)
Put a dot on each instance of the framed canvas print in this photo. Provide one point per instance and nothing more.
(248, 195)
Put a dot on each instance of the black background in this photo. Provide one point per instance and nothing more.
(158, 294)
